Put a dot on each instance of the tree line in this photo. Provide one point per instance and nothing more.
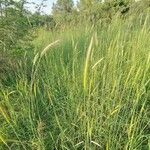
(64, 11)
(16, 20)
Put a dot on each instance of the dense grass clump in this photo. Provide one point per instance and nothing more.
(89, 89)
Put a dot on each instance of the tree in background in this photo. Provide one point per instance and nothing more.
(87, 4)
(95, 10)
(63, 6)
(16, 21)
(90, 10)
(39, 19)
(14, 27)
(13, 23)
(62, 11)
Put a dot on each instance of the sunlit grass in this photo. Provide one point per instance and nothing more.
(90, 91)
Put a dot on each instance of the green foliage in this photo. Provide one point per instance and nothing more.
(86, 4)
(14, 37)
(63, 6)
(97, 11)
(14, 25)
(140, 7)
(82, 85)
(38, 20)
(90, 91)
(63, 12)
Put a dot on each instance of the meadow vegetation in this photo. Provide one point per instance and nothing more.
(76, 87)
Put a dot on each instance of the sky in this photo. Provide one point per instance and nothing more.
(47, 9)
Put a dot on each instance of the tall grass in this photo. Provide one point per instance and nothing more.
(91, 91)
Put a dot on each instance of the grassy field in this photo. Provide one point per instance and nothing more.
(85, 87)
